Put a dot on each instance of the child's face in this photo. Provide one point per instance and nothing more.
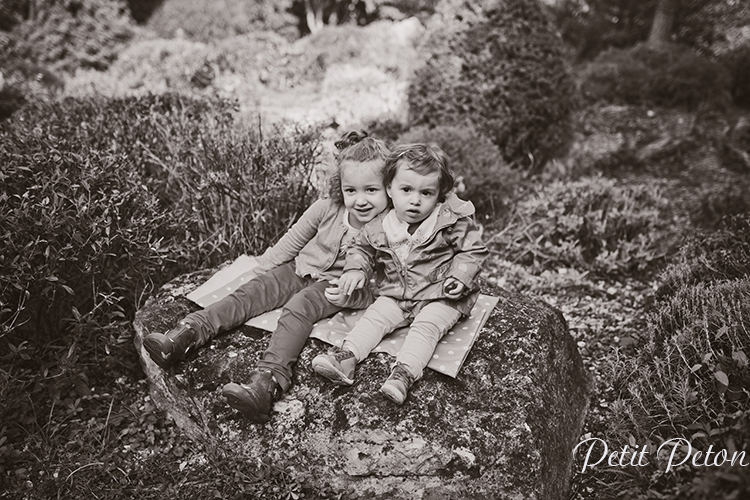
(414, 195)
(363, 190)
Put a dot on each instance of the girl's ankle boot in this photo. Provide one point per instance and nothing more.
(167, 349)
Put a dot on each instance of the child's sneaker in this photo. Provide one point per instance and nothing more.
(397, 385)
(254, 399)
(337, 366)
(167, 348)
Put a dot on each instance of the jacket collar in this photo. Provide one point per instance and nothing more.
(452, 209)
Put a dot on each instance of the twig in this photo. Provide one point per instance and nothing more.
(82, 467)
(106, 424)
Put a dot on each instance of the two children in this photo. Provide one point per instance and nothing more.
(427, 252)
(294, 273)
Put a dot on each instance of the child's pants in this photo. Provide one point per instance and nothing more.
(386, 314)
(303, 302)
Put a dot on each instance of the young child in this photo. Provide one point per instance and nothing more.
(427, 252)
(294, 273)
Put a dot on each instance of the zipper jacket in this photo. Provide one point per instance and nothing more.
(453, 249)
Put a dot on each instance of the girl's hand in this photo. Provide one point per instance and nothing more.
(334, 294)
(351, 280)
(453, 288)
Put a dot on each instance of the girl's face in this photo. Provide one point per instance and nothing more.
(363, 190)
(414, 195)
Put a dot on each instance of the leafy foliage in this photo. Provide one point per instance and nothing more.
(67, 35)
(591, 224)
(690, 378)
(504, 72)
(593, 26)
(101, 198)
(664, 75)
(207, 21)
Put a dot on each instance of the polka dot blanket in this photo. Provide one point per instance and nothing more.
(448, 357)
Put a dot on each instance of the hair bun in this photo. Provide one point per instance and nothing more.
(350, 138)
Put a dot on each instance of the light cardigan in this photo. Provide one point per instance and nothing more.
(316, 243)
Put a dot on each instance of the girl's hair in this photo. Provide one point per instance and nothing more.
(356, 146)
(423, 159)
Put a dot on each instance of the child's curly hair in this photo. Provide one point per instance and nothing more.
(356, 146)
(423, 159)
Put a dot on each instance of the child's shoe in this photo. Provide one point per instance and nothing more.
(397, 385)
(254, 399)
(167, 349)
(337, 366)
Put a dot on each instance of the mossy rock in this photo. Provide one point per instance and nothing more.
(505, 428)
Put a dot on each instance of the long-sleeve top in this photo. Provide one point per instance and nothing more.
(317, 243)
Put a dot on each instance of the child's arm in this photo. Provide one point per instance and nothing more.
(294, 240)
(471, 253)
(357, 299)
(360, 261)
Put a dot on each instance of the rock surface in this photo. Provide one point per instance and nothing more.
(504, 429)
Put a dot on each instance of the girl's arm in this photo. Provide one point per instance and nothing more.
(361, 256)
(295, 239)
(471, 252)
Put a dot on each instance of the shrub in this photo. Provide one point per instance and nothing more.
(591, 224)
(104, 199)
(69, 35)
(713, 256)
(207, 21)
(145, 67)
(505, 72)
(690, 378)
(485, 178)
(722, 198)
(665, 75)
(80, 232)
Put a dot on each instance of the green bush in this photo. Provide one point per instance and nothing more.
(722, 198)
(103, 199)
(207, 21)
(505, 72)
(484, 178)
(592, 224)
(690, 378)
(65, 36)
(665, 75)
(145, 67)
(714, 256)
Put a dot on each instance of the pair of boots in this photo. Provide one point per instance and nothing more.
(254, 399)
(338, 367)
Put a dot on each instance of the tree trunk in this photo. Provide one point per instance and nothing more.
(661, 28)
(314, 15)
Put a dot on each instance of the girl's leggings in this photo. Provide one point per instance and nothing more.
(303, 303)
(428, 326)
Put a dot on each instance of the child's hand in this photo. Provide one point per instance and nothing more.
(334, 294)
(351, 280)
(453, 288)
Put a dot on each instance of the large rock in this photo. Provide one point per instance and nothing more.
(504, 429)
